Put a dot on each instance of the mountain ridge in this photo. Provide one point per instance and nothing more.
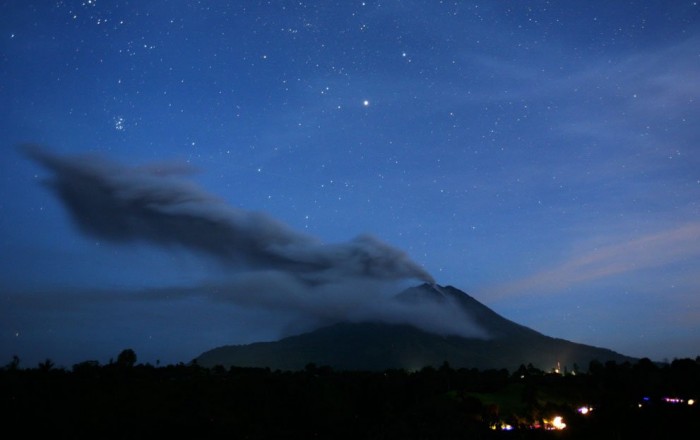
(381, 346)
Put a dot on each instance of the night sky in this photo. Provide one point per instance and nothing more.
(205, 173)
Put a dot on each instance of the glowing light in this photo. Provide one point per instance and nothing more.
(365, 103)
(556, 423)
(502, 426)
(584, 410)
(691, 402)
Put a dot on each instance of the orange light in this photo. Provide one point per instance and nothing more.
(558, 423)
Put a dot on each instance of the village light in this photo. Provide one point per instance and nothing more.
(502, 426)
(584, 410)
(558, 423)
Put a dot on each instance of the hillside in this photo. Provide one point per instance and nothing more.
(380, 346)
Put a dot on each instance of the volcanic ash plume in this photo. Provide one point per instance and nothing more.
(268, 265)
(123, 204)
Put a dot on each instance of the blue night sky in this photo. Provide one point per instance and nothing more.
(542, 156)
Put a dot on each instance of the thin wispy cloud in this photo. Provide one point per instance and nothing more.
(640, 253)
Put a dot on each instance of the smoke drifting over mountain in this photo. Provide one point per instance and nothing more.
(271, 265)
(123, 204)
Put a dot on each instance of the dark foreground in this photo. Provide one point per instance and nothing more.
(126, 400)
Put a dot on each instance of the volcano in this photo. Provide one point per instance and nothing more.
(376, 346)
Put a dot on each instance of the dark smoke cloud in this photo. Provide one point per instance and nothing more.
(269, 267)
(151, 204)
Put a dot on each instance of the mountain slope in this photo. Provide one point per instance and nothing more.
(379, 346)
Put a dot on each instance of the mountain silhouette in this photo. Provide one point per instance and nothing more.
(381, 346)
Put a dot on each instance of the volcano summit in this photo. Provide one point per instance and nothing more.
(379, 346)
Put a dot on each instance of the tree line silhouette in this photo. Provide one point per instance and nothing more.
(124, 399)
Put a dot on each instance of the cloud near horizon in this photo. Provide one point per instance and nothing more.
(269, 265)
(643, 252)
